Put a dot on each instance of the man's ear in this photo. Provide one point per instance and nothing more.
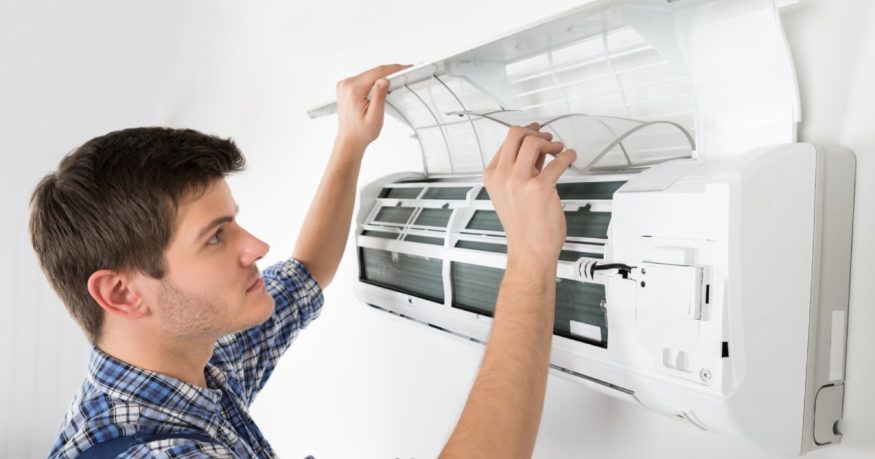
(113, 291)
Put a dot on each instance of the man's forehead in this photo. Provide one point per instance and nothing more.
(201, 209)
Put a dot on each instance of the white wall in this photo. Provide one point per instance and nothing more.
(68, 72)
(357, 383)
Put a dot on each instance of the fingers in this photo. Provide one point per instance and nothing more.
(360, 85)
(378, 98)
(381, 71)
(508, 151)
(559, 165)
(539, 164)
(367, 78)
(496, 158)
(531, 152)
(493, 163)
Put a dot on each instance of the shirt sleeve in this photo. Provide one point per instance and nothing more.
(253, 353)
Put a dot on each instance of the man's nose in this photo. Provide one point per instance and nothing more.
(253, 249)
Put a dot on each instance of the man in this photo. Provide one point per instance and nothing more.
(136, 231)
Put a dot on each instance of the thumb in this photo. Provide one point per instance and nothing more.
(559, 165)
(378, 97)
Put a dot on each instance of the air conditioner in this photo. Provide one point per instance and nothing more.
(706, 271)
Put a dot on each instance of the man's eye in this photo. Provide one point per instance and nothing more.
(217, 238)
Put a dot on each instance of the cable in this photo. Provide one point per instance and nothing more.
(623, 269)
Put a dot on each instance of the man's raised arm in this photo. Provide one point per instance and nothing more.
(503, 411)
(323, 237)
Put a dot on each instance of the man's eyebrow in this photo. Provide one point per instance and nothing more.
(216, 222)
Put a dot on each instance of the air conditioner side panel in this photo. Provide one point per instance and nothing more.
(760, 222)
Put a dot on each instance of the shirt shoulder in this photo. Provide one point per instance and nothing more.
(89, 420)
(96, 417)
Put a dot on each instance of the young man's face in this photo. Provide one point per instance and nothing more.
(211, 285)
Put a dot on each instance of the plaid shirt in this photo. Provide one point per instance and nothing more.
(118, 399)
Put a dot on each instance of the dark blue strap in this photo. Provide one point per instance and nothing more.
(110, 449)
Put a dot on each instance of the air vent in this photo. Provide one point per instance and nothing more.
(400, 193)
(565, 255)
(434, 217)
(485, 220)
(582, 223)
(380, 234)
(446, 193)
(585, 223)
(414, 275)
(581, 191)
(424, 239)
(397, 215)
(578, 304)
(588, 190)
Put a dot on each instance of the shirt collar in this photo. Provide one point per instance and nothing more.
(127, 382)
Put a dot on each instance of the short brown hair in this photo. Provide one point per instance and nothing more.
(112, 204)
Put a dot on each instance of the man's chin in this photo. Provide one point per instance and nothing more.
(265, 307)
(255, 313)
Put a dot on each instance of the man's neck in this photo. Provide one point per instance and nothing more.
(184, 361)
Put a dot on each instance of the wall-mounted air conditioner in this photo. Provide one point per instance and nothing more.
(706, 270)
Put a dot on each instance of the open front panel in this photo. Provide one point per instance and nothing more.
(605, 91)
(717, 69)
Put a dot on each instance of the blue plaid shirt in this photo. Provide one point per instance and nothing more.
(118, 399)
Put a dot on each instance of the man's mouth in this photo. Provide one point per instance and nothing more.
(256, 284)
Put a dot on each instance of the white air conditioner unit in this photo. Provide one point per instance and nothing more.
(706, 270)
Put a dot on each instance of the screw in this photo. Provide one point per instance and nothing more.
(643, 271)
(642, 284)
(410, 300)
(705, 374)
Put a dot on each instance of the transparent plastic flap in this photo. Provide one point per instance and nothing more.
(626, 83)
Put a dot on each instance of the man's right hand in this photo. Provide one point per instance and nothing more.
(524, 194)
(361, 101)
(503, 411)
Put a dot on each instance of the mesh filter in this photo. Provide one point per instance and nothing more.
(611, 96)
